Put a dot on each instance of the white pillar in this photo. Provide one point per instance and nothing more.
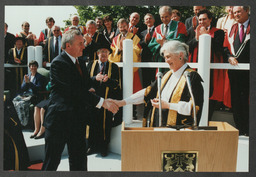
(204, 59)
(127, 78)
(31, 55)
(39, 56)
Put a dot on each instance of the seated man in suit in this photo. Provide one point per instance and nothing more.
(52, 46)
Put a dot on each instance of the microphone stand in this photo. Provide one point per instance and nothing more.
(159, 75)
(187, 75)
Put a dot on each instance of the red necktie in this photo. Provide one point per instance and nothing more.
(241, 34)
(78, 67)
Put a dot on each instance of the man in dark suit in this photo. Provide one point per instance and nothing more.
(65, 120)
(52, 46)
(148, 74)
(93, 39)
(238, 51)
(192, 22)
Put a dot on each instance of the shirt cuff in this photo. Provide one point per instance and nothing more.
(128, 100)
(99, 105)
(173, 106)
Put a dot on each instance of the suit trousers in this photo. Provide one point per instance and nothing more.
(66, 130)
(239, 83)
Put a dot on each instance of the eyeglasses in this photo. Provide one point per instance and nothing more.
(26, 25)
(56, 30)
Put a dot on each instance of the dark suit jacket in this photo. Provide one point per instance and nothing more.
(37, 84)
(46, 50)
(244, 57)
(9, 42)
(146, 55)
(189, 27)
(69, 93)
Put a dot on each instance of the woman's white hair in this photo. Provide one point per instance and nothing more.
(174, 46)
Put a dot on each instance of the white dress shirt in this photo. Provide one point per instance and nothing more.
(100, 103)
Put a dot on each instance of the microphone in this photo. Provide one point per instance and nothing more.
(187, 75)
(159, 76)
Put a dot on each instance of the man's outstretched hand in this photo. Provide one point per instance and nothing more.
(110, 105)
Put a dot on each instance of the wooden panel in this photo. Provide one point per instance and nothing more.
(141, 149)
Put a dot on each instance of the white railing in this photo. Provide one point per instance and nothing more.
(203, 67)
(241, 66)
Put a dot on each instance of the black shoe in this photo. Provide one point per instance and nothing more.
(91, 151)
(39, 137)
(33, 136)
(104, 153)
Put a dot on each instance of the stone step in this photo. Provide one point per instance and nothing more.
(36, 147)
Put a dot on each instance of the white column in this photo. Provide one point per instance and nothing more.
(31, 55)
(39, 56)
(127, 78)
(204, 59)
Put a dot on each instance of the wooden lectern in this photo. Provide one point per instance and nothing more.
(142, 148)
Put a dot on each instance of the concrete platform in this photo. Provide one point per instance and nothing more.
(113, 161)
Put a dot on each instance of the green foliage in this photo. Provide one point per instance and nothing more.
(91, 12)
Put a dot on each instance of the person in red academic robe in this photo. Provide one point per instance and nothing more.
(217, 76)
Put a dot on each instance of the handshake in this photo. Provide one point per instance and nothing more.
(113, 105)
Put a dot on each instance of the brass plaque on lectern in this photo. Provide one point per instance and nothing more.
(179, 161)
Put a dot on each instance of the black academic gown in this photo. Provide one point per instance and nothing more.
(15, 150)
(101, 119)
(198, 92)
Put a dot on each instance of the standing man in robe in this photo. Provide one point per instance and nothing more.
(47, 32)
(168, 30)
(75, 25)
(93, 39)
(117, 54)
(217, 38)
